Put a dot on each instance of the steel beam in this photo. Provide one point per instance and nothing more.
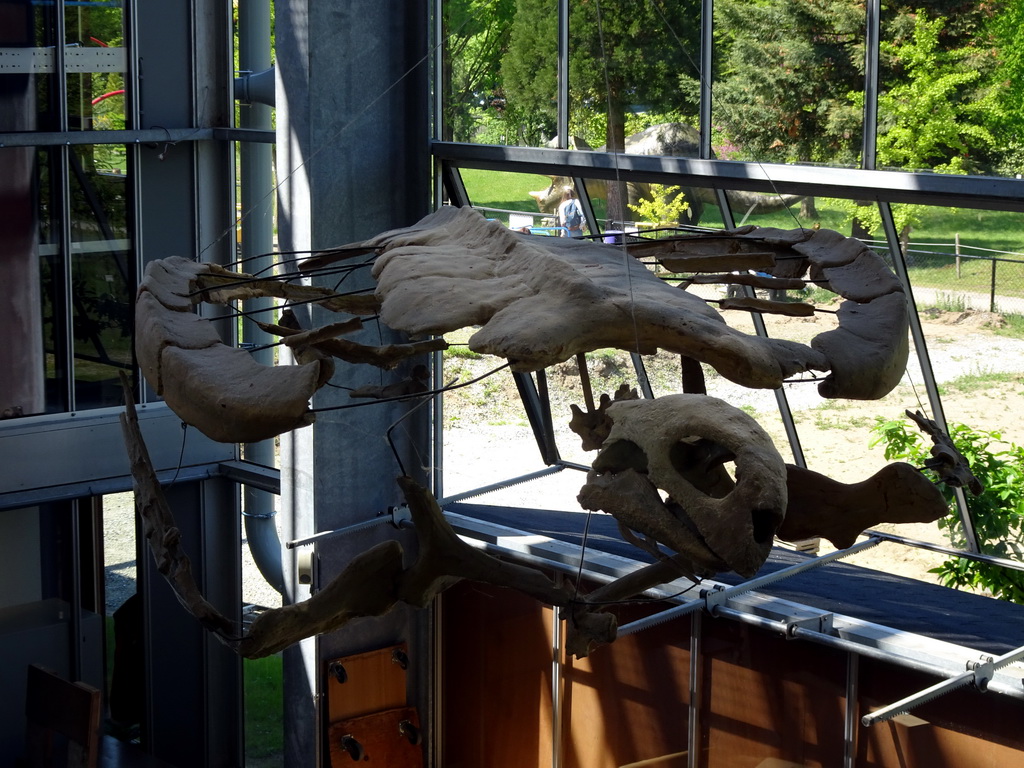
(991, 193)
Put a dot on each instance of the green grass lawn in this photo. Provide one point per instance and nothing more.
(500, 189)
(264, 707)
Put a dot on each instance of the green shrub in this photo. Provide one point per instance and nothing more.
(997, 513)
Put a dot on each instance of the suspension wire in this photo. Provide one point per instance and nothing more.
(307, 252)
(403, 417)
(285, 277)
(416, 396)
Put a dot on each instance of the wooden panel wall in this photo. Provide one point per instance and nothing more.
(768, 702)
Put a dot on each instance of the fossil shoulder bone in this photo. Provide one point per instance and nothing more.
(540, 301)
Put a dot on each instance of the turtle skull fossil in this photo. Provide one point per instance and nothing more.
(662, 472)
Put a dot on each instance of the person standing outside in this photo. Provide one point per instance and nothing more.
(570, 215)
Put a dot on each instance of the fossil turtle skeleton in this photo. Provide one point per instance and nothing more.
(663, 470)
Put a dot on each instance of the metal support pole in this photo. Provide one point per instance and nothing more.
(693, 740)
(992, 293)
(850, 715)
(557, 654)
(641, 375)
(872, 36)
(562, 103)
(921, 347)
(75, 618)
(707, 48)
(257, 231)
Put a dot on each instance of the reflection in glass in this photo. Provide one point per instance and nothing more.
(651, 207)
(101, 276)
(789, 81)
(22, 391)
(51, 269)
(95, 64)
(793, 211)
(25, 85)
(515, 199)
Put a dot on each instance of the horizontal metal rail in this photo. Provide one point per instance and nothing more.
(712, 598)
(853, 184)
(145, 136)
(501, 485)
(919, 544)
(979, 673)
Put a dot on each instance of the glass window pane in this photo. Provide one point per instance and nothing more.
(1007, 152)
(26, 355)
(515, 199)
(967, 272)
(51, 278)
(498, 71)
(948, 101)
(102, 274)
(793, 211)
(652, 207)
(95, 62)
(633, 66)
(26, 52)
(789, 81)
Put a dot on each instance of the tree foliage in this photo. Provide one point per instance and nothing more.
(788, 80)
(933, 113)
(665, 206)
(624, 55)
(997, 513)
(785, 70)
(476, 35)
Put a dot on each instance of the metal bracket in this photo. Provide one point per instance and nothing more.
(715, 597)
(823, 623)
(984, 669)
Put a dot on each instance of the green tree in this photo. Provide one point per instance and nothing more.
(476, 35)
(623, 55)
(784, 73)
(933, 114)
(1007, 81)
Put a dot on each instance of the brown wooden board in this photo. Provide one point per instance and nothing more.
(389, 739)
(375, 681)
(60, 713)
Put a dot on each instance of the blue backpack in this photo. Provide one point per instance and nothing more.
(573, 215)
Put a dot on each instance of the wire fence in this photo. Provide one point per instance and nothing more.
(960, 277)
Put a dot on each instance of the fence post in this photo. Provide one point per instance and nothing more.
(956, 242)
(992, 297)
